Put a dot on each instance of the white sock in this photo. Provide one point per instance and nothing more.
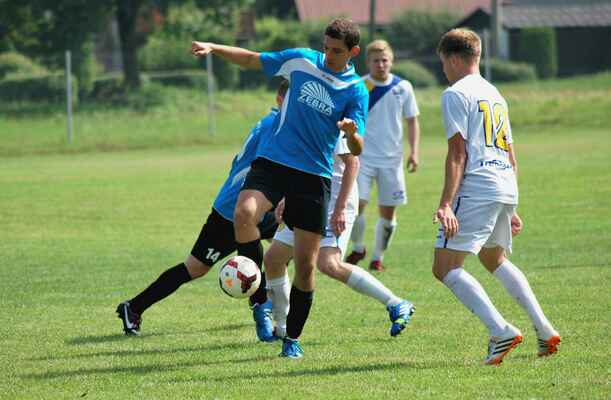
(358, 234)
(365, 283)
(384, 232)
(473, 296)
(517, 285)
(279, 290)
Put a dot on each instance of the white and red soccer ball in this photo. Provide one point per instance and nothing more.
(239, 277)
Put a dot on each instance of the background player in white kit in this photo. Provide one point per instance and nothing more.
(341, 214)
(477, 210)
(391, 99)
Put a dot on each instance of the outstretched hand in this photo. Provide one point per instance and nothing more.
(201, 49)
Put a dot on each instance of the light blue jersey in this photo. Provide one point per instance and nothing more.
(317, 99)
(227, 197)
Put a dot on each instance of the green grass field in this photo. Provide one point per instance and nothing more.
(87, 226)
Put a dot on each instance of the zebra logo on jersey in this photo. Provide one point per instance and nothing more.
(316, 96)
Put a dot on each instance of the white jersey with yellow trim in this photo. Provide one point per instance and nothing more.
(474, 108)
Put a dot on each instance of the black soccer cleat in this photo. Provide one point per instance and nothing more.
(131, 320)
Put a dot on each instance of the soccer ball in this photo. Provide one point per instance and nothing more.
(239, 277)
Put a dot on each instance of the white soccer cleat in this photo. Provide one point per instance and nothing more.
(548, 346)
(500, 346)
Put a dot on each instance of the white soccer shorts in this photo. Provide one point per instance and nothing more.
(287, 237)
(390, 181)
(481, 223)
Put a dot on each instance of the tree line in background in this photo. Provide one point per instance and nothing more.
(155, 36)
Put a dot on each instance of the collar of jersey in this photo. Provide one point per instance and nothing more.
(342, 74)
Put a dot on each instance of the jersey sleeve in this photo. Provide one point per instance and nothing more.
(273, 61)
(455, 114)
(357, 109)
(410, 106)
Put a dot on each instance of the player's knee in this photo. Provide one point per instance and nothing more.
(196, 268)
(438, 272)
(244, 215)
(327, 267)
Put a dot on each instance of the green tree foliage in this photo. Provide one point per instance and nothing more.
(418, 31)
(45, 29)
(168, 47)
(537, 46)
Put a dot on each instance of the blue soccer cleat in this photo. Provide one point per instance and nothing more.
(262, 314)
(291, 348)
(400, 315)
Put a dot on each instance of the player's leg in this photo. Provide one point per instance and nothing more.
(276, 259)
(215, 241)
(384, 232)
(493, 257)
(391, 193)
(305, 254)
(258, 195)
(305, 212)
(364, 182)
(476, 223)
(329, 263)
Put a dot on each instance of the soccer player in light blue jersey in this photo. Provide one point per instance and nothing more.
(216, 239)
(325, 97)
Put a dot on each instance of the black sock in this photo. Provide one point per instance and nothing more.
(300, 304)
(165, 285)
(260, 296)
(252, 250)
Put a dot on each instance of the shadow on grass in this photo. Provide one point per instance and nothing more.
(116, 337)
(329, 371)
(146, 352)
(571, 266)
(138, 370)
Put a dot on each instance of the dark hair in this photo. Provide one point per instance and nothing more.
(346, 30)
(462, 42)
(283, 88)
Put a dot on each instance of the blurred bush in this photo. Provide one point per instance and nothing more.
(414, 72)
(13, 63)
(537, 46)
(51, 87)
(192, 78)
(507, 71)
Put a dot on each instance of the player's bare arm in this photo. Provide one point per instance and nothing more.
(355, 141)
(455, 164)
(413, 137)
(338, 218)
(516, 221)
(243, 57)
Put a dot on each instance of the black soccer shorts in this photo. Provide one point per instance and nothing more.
(306, 195)
(216, 240)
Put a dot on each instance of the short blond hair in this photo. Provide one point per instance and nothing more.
(379, 46)
(463, 42)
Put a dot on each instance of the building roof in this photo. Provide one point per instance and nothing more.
(518, 14)
(386, 10)
(556, 13)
